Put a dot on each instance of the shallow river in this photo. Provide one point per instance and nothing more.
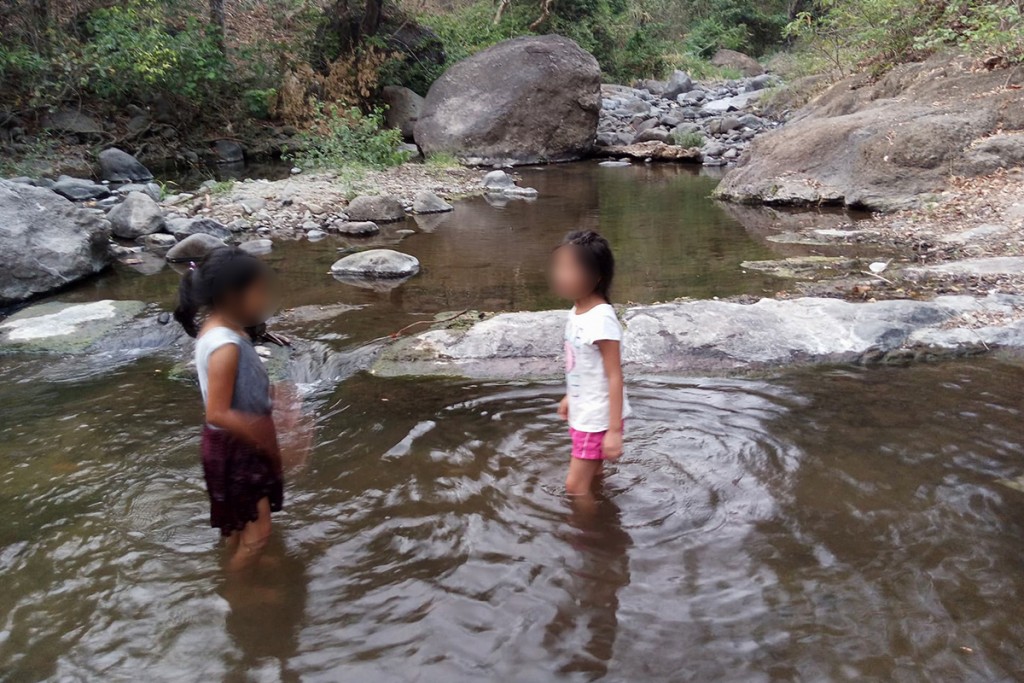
(814, 525)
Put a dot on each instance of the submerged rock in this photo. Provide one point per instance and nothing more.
(64, 328)
(355, 228)
(499, 182)
(428, 202)
(699, 337)
(376, 264)
(46, 242)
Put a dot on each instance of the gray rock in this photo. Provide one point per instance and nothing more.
(72, 121)
(78, 190)
(526, 100)
(654, 87)
(46, 242)
(194, 248)
(731, 153)
(377, 208)
(355, 228)
(136, 216)
(723, 125)
(184, 227)
(731, 59)
(701, 337)
(981, 232)
(403, 108)
(678, 83)
(57, 327)
(376, 263)
(159, 242)
(713, 149)
(994, 265)
(428, 202)
(228, 152)
(251, 205)
(759, 82)
(118, 166)
(315, 235)
(501, 183)
(152, 189)
(653, 135)
(257, 247)
(735, 103)
(614, 163)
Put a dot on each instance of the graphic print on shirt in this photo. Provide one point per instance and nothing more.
(570, 357)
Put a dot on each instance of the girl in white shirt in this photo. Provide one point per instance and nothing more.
(595, 404)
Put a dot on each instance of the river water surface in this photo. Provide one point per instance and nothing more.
(814, 525)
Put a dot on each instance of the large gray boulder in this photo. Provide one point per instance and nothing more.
(527, 100)
(886, 144)
(136, 216)
(731, 59)
(403, 109)
(119, 166)
(376, 208)
(46, 242)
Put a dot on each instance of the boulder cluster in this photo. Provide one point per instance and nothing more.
(683, 120)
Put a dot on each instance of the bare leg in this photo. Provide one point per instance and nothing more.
(251, 540)
(579, 483)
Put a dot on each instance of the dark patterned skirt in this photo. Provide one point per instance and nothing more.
(237, 477)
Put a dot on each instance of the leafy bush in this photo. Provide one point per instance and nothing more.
(132, 53)
(341, 138)
(688, 139)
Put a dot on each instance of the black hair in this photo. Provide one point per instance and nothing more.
(595, 255)
(225, 271)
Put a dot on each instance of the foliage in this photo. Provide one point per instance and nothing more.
(442, 160)
(688, 139)
(340, 138)
(848, 34)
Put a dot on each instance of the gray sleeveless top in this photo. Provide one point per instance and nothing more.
(252, 385)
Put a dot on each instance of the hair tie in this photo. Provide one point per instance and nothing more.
(191, 265)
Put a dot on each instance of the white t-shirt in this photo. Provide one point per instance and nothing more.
(586, 381)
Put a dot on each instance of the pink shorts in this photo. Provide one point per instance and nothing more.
(587, 445)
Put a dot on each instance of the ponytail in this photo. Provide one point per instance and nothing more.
(224, 271)
(188, 305)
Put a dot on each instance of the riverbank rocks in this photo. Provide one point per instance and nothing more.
(118, 166)
(194, 248)
(428, 202)
(403, 109)
(136, 216)
(376, 264)
(46, 242)
(532, 99)
(228, 152)
(731, 59)
(64, 327)
(260, 247)
(887, 143)
(376, 208)
(702, 337)
(718, 120)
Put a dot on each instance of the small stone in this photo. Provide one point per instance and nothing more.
(137, 215)
(377, 263)
(315, 235)
(159, 242)
(355, 228)
(377, 208)
(296, 170)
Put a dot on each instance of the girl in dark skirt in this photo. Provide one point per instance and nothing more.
(241, 458)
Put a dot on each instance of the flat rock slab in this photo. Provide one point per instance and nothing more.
(996, 265)
(656, 151)
(65, 328)
(717, 337)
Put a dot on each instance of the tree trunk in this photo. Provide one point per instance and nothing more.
(372, 15)
(217, 19)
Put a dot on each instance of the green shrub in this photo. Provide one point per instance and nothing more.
(341, 138)
(689, 139)
(258, 101)
(132, 53)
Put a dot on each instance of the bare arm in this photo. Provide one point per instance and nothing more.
(611, 356)
(257, 430)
